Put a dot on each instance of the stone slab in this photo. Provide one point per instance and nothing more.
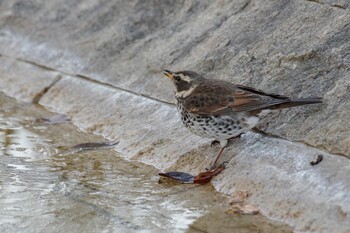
(276, 173)
(297, 48)
(24, 81)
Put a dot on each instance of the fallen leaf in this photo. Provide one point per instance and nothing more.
(243, 209)
(178, 176)
(201, 178)
(206, 177)
(238, 197)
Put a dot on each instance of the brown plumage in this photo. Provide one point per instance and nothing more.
(218, 97)
(222, 110)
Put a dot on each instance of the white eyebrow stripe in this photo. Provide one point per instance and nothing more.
(183, 94)
(185, 78)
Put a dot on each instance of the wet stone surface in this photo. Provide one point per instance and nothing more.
(61, 54)
(44, 185)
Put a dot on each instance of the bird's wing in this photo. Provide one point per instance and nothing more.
(216, 97)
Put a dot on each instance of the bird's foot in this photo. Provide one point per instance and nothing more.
(205, 177)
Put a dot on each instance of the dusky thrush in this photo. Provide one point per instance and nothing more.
(221, 110)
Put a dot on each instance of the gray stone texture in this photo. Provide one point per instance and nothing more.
(110, 55)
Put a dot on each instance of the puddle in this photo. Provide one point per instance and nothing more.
(43, 188)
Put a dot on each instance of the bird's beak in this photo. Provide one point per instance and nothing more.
(168, 73)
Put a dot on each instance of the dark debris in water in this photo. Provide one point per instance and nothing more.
(94, 145)
(55, 119)
(88, 146)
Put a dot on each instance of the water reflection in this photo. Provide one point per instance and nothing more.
(97, 190)
(18, 143)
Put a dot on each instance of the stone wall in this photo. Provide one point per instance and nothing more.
(100, 62)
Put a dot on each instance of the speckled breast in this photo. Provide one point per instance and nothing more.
(214, 127)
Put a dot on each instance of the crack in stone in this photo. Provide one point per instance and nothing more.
(33, 63)
(39, 95)
(244, 6)
(37, 98)
(318, 147)
(335, 5)
(323, 148)
(86, 78)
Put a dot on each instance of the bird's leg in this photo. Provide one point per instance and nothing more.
(224, 144)
(213, 165)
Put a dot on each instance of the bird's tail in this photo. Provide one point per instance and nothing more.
(298, 102)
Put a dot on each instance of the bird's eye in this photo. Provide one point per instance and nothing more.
(177, 78)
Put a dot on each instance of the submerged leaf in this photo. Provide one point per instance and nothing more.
(178, 176)
(94, 145)
(55, 119)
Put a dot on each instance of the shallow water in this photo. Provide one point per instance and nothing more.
(47, 187)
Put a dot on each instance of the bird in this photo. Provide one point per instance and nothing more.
(220, 110)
